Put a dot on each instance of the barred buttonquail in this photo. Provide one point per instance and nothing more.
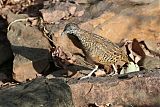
(97, 49)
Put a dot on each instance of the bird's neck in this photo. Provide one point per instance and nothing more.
(80, 34)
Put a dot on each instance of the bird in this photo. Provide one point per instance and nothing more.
(97, 49)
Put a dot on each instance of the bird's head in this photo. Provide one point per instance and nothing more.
(70, 28)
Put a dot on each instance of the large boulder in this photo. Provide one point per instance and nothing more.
(40, 92)
(135, 89)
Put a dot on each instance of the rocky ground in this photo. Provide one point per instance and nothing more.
(34, 29)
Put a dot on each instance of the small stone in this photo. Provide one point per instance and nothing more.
(72, 10)
(100, 73)
(142, 1)
(79, 13)
(29, 71)
(50, 76)
(15, 1)
(83, 1)
(1, 83)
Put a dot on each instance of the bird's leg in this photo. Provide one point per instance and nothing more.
(115, 71)
(90, 74)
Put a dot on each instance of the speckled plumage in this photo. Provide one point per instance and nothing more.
(97, 49)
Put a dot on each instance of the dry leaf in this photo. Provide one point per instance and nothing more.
(131, 68)
(137, 48)
(135, 51)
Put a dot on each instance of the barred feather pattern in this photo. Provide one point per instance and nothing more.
(97, 48)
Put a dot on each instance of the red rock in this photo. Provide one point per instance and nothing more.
(52, 16)
(72, 10)
(30, 70)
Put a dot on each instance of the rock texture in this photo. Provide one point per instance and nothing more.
(29, 47)
(28, 43)
(138, 89)
(40, 92)
(31, 70)
(112, 19)
(121, 20)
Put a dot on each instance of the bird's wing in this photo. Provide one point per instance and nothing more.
(107, 44)
(112, 48)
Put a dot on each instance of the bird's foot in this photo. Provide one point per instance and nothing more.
(90, 74)
(112, 74)
(85, 77)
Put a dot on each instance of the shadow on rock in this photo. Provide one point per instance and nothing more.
(30, 53)
(37, 93)
(6, 54)
(41, 60)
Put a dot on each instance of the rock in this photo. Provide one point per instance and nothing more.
(80, 1)
(65, 43)
(6, 53)
(87, 1)
(79, 13)
(40, 92)
(119, 20)
(24, 72)
(28, 43)
(33, 69)
(98, 8)
(72, 10)
(52, 16)
(1, 83)
(61, 10)
(128, 23)
(138, 89)
(15, 1)
(142, 1)
(92, 24)
(150, 62)
(50, 76)
(30, 70)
